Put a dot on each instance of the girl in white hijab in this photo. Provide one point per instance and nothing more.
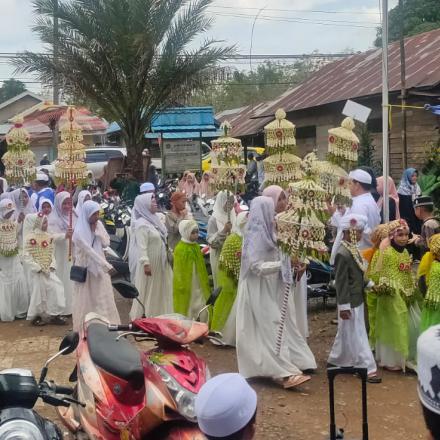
(14, 298)
(83, 196)
(259, 300)
(24, 206)
(46, 289)
(96, 294)
(219, 227)
(59, 221)
(150, 269)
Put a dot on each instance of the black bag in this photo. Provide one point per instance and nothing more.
(331, 374)
(78, 274)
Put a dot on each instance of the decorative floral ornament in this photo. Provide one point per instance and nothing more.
(33, 242)
(343, 145)
(280, 135)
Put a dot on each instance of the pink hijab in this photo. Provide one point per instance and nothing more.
(274, 192)
(205, 189)
(191, 188)
(392, 191)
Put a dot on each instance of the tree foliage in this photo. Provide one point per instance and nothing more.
(130, 58)
(266, 82)
(418, 16)
(11, 88)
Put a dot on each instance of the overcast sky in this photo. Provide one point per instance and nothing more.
(283, 27)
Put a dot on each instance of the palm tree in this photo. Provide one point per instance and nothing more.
(130, 58)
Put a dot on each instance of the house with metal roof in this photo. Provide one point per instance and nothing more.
(316, 105)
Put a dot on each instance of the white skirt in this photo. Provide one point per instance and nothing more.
(351, 347)
(300, 297)
(14, 296)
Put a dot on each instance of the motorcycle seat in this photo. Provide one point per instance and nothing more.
(117, 357)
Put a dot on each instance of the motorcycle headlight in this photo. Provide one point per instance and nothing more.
(20, 430)
(184, 399)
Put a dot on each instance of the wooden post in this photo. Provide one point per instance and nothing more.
(403, 86)
(146, 162)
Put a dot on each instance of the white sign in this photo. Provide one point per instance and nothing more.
(181, 155)
(356, 111)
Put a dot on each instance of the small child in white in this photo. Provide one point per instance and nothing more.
(351, 347)
(47, 291)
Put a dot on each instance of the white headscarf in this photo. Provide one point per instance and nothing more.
(83, 234)
(57, 219)
(260, 241)
(142, 212)
(17, 198)
(219, 213)
(42, 201)
(5, 185)
(240, 223)
(185, 229)
(81, 197)
(349, 221)
(6, 206)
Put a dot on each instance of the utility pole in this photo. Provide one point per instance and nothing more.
(385, 140)
(56, 84)
(403, 93)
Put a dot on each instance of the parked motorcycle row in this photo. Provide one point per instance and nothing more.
(119, 391)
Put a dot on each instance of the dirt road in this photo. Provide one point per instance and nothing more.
(394, 409)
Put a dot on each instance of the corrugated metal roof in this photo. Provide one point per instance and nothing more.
(356, 76)
(361, 75)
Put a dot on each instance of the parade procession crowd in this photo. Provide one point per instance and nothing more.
(383, 303)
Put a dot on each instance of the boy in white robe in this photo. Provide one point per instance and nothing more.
(351, 347)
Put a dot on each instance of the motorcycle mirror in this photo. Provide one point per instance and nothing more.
(214, 295)
(69, 343)
(126, 289)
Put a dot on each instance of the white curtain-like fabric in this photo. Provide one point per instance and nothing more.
(81, 200)
(351, 347)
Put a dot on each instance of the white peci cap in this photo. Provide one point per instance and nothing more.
(225, 404)
(41, 177)
(147, 187)
(360, 176)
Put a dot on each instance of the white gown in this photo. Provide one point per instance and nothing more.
(300, 299)
(155, 291)
(259, 300)
(96, 294)
(14, 295)
(215, 239)
(46, 290)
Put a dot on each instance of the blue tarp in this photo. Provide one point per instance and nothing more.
(181, 121)
(433, 108)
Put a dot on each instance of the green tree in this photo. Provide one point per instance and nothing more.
(267, 82)
(130, 58)
(418, 16)
(10, 88)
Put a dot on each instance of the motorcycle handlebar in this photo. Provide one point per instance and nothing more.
(67, 391)
(117, 328)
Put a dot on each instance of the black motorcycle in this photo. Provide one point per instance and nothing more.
(19, 391)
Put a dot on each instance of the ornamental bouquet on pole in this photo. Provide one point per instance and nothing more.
(70, 166)
(227, 171)
(19, 161)
(282, 166)
(301, 228)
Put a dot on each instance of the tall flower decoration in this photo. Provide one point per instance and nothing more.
(343, 145)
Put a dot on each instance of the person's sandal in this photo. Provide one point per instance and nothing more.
(294, 381)
(57, 320)
(38, 322)
(374, 378)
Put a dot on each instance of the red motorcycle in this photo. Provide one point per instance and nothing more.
(127, 394)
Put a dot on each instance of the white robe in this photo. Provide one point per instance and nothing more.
(351, 347)
(259, 300)
(197, 301)
(14, 296)
(300, 298)
(96, 294)
(215, 239)
(46, 290)
(155, 291)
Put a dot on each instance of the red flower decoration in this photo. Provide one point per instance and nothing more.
(341, 181)
(279, 133)
(238, 254)
(33, 242)
(19, 162)
(311, 194)
(280, 168)
(331, 139)
(305, 233)
(45, 244)
(354, 146)
(40, 214)
(353, 222)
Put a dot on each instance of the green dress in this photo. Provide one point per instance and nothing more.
(431, 305)
(395, 310)
(188, 264)
(227, 279)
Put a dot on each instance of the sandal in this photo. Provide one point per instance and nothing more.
(374, 378)
(38, 322)
(294, 381)
(57, 320)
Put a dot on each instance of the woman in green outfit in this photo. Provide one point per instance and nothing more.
(397, 313)
(190, 283)
(431, 305)
(229, 270)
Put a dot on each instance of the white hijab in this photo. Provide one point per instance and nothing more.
(186, 227)
(142, 214)
(57, 219)
(240, 223)
(219, 213)
(81, 197)
(42, 201)
(6, 206)
(17, 198)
